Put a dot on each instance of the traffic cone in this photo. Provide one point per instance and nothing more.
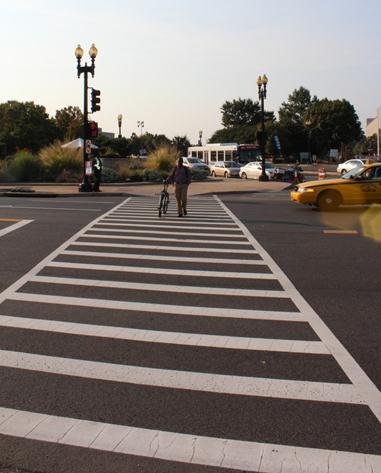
(322, 174)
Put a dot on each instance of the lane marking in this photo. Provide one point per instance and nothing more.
(341, 232)
(351, 368)
(165, 271)
(126, 237)
(184, 259)
(53, 208)
(16, 226)
(173, 338)
(158, 308)
(187, 249)
(187, 380)
(221, 291)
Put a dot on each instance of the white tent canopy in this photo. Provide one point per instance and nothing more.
(78, 143)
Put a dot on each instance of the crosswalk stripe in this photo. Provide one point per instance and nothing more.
(184, 259)
(222, 291)
(99, 228)
(183, 448)
(180, 240)
(174, 338)
(188, 380)
(159, 308)
(149, 270)
(167, 220)
(184, 249)
(107, 223)
(15, 226)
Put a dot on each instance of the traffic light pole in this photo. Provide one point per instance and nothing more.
(86, 184)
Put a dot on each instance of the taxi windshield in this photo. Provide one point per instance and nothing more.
(351, 174)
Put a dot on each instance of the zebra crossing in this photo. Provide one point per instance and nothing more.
(180, 340)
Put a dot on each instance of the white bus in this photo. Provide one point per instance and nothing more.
(211, 153)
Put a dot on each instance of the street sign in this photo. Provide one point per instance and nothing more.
(88, 168)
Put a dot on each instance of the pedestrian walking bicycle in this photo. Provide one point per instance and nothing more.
(164, 199)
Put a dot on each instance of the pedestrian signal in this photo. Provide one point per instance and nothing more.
(93, 130)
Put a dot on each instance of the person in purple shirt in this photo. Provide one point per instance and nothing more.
(180, 177)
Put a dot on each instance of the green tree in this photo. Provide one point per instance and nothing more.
(243, 113)
(181, 143)
(25, 125)
(69, 121)
(366, 146)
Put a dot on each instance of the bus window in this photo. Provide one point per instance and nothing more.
(199, 155)
(220, 156)
(206, 158)
(228, 156)
(213, 155)
(194, 154)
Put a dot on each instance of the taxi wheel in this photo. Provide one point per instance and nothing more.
(329, 200)
(243, 175)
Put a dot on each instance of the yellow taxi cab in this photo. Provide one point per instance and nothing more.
(361, 185)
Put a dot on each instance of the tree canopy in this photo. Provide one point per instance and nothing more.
(69, 121)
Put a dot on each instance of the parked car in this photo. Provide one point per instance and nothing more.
(225, 169)
(254, 169)
(343, 168)
(360, 186)
(196, 163)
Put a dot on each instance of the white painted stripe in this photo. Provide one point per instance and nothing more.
(165, 271)
(56, 208)
(352, 369)
(163, 247)
(99, 228)
(184, 259)
(159, 308)
(106, 222)
(188, 380)
(183, 448)
(173, 338)
(172, 214)
(180, 240)
(15, 226)
(168, 221)
(221, 291)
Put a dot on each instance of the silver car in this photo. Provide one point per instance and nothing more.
(225, 169)
(195, 163)
(254, 170)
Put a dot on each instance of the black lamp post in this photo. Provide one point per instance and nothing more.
(200, 138)
(120, 117)
(308, 124)
(262, 83)
(85, 70)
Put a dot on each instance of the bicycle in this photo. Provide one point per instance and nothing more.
(164, 199)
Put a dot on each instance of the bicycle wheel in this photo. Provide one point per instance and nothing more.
(165, 204)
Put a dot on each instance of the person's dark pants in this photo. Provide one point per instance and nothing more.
(97, 181)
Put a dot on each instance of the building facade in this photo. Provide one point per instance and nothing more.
(373, 126)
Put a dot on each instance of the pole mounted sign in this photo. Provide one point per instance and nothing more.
(88, 146)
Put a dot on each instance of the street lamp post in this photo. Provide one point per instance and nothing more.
(120, 117)
(200, 138)
(262, 83)
(141, 126)
(85, 70)
(308, 124)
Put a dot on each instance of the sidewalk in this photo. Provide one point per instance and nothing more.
(209, 186)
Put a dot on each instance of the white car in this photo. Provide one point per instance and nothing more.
(254, 170)
(195, 163)
(343, 168)
(225, 169)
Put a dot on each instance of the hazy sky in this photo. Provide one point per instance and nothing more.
(173, 63)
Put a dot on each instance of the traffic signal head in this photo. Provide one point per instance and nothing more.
(95, 100)
(92, 130)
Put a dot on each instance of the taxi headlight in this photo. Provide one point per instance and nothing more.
(305, 189)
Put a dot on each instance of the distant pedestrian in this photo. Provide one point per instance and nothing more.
(180, 177)
(97, 172)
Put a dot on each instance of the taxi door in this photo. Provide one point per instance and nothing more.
(367, 188)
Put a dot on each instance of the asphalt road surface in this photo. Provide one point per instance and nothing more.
(244, 337)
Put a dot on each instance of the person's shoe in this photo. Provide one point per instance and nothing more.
(180, 215)
(185, 212)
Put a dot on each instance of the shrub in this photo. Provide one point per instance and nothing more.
(162, 159)
(23, 167)
(110, 175)
(154, 175)
(61, 163)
